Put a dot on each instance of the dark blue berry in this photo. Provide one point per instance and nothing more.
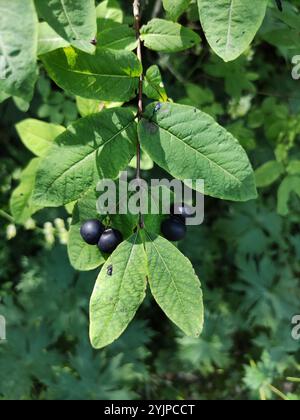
(91, 231)
(173, 229)
(110, 240)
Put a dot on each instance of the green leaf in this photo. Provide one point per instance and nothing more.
(190, 145)
(38, 136)
(153, 85)
(293, 167)
(290, 184)
(268, 173)
(49, 40)
(3, 97)
(118, 37)
(84, 257)
(109, 12)
(21, 205)
(109, 75)
(75, 21)
(92, 106)
(176, 8)
(231, 25)
(174, 284)
(87, 107)
(165, 36)
(95, 147)
(21, 104)
(18, 48)
(70, 207)
(119, 291)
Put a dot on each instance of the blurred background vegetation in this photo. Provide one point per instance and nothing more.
(247, 255)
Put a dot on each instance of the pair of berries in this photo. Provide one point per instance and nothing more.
(93, 232)
(174, 228)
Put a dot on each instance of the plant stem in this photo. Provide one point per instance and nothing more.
(6, 216)
(278, 393)
(137, 24)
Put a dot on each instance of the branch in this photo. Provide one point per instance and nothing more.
(137, 24)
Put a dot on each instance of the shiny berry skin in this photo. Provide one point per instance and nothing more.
(181, 210)
(91, 231)
(173, 229)
(110, 240)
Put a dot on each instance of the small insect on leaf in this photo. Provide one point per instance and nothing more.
(110, 270)
(157, 107)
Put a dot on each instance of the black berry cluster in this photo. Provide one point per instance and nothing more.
(174, 228)
(93, 232)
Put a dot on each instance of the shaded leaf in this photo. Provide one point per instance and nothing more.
(83, 256)
(153, 85)
(118, 37)
(18, 48)
(75, 20)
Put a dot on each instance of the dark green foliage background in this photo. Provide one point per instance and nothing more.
(247, 256)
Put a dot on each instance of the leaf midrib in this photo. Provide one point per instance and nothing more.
(186, 37)
(94, 74)
(69, 21)
(197, 151)
(228, 39)
(171, 276)
(121, 283)
(89, 154)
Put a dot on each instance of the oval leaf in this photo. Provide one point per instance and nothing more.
(231, 25)
(268, 173)
(290, 184)
(174, 284)
(165, 36)
(119, 37)
(38, 136)
(118, 293)
(95, 147)
(21, 206)
(18, 48)
(190, 145)
(75, 21)
(109, 75)
(153, 85)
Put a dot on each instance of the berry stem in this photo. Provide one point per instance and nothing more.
(137, 25)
